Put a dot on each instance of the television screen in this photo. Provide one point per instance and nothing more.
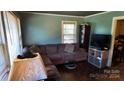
(101, 41)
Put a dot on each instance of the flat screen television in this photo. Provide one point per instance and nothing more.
(100, 41)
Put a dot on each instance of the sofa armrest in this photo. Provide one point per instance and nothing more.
(81, 55)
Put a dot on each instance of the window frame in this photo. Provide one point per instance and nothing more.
(75, 30)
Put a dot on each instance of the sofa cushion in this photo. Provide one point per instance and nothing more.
(61, 48)
(42, 49)
(80, 55)
(76, 47)
(51, 49)
(68, 56)
(46, 60)
(56, 58)
(52, 73)
(69, 48)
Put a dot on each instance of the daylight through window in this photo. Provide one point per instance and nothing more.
(69, 32)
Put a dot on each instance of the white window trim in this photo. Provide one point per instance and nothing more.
(75, 22)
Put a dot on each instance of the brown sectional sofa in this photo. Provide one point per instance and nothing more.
(54, 54)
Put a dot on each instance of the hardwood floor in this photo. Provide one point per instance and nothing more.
(86, 72)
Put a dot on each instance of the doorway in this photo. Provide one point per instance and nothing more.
(117, 45)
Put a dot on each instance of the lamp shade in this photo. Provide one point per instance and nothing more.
(28, 69)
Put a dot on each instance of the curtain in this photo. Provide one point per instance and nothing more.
(4, 58)
(10, 42)
(13, 34)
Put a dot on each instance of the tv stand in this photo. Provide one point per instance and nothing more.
(97, 57)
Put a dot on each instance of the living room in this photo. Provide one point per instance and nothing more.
(22, 71)
(56, 36)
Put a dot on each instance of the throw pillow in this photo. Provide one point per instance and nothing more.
(69, 48)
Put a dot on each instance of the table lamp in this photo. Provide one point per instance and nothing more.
(28, 69)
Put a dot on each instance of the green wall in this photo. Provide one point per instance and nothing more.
(43, 29)
(101, 24)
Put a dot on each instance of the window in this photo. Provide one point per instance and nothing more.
(69, 31)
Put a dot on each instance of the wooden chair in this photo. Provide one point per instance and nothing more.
(120, 52)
